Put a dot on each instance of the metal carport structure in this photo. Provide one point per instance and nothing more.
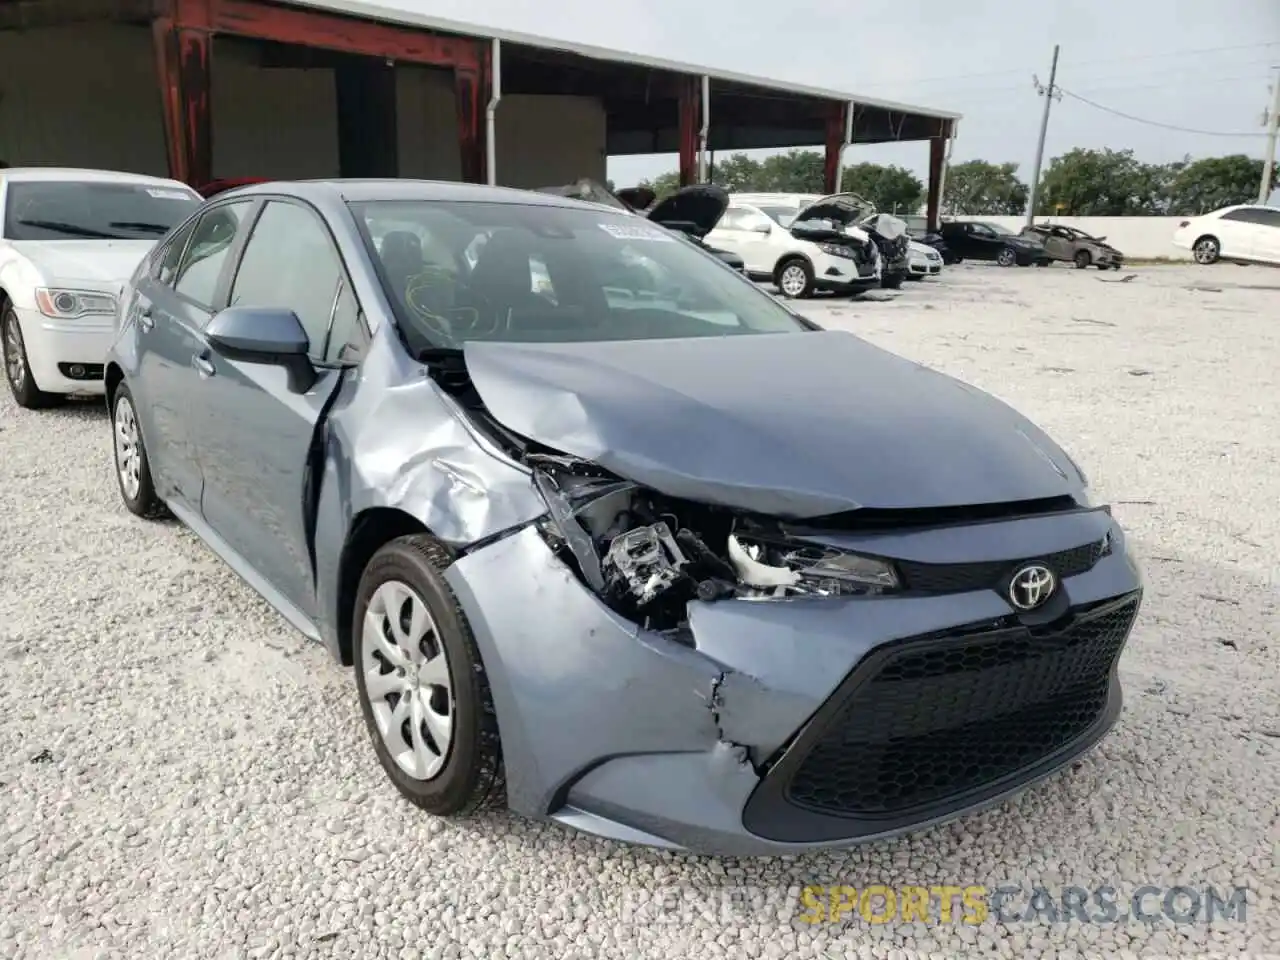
(650, 105)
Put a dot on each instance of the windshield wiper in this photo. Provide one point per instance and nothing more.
(139, 225)
(70, 228)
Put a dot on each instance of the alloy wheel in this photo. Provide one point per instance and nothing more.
(128, 448)
(406, 675)
(1006, 257)
(1206, 251)
(793, 280)
(15, 355)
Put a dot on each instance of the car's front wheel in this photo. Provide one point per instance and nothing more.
(1007, 257)
(133, 469)
(17, 367)
(1083, 259)
(1207, 250)
(422, 685)
(794, 278)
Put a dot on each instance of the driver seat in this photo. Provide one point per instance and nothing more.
(503, 274)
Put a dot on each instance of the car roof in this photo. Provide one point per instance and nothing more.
(84, 175)
(363, 190)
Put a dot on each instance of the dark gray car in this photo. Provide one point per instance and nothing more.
(608, 533)
(1075, 246)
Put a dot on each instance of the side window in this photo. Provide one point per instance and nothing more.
(290, 263)
(732, 220)
(197, 275)
(1268, 218)
(1244, 214)
(166, 266)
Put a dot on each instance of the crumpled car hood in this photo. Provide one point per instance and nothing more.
(796, 425)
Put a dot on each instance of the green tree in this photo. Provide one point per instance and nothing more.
(1213, 182)
(796, 171)
(1101, 183)
(663, 184)
(979, 188)
(736, 173)
(892, 189)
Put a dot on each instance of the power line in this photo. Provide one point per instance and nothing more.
(1179, 53)
(1080, 63)
(1155, 123)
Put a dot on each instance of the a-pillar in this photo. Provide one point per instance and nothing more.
(937, 157)
(183, 66)
(690, 123)
(835, 143)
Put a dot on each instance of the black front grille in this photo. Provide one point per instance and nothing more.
(937, 718)
(961, 577)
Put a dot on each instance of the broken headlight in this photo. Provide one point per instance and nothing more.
(786, 568)
(836, 250)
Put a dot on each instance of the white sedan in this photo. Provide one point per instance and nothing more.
(1246, 231)
(923, 261)
(69, 240)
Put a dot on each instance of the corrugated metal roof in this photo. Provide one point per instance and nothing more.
(393, 13)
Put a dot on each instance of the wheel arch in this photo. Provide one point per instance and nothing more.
(370, 530)
(112, 377)
(787, 258)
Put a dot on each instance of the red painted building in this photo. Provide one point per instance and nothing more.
(207, 89)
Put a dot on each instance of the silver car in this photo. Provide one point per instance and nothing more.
(606, 533)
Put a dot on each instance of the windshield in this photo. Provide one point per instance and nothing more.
(456, 272)
(996, 228)
(75, 210)
(779, 215)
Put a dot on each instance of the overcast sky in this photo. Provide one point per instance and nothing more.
(1155, 59)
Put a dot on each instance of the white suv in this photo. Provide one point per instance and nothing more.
(758, 232)
(1242, 232)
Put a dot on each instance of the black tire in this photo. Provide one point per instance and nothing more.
(22, 384)
(1082, 259)
(1043, 263)
(791, 264)
(892, 281)
(1206, 250)
(144, 503)
(472, 778)
(1007, 257)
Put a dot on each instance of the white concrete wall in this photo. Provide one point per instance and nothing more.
(266, 122)
(1138, 238)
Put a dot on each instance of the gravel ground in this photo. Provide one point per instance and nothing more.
(182, 776)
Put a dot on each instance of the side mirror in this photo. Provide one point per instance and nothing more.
(267, 335)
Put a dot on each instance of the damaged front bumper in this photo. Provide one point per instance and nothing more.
(771, 726)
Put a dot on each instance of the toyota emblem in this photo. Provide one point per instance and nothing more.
(1031, 587)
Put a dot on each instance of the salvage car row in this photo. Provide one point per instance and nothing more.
(530, 465)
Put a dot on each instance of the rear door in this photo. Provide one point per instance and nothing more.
(256, 434)
(734, 233)
(173, 304)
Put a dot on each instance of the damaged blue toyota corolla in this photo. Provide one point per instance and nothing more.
(608, 532)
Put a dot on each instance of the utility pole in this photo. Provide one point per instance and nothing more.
(1049, 93)
(1272, 121)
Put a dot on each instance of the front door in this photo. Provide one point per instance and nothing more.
(171, 308)
(1264, 241)
(1058, 244)
(255, 433)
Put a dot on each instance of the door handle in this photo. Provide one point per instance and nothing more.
(203, 364)
(145, 320)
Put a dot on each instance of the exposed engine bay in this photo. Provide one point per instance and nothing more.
(648, 555)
